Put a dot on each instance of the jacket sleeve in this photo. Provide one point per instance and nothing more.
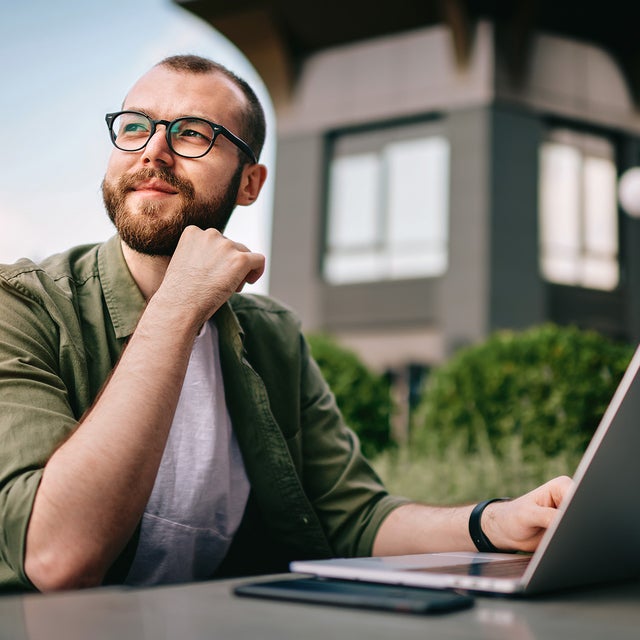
(345, 491)
(342, 492)
(35, 417)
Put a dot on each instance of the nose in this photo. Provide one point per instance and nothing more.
(157, 151)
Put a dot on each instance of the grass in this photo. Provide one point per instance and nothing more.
(459, 477)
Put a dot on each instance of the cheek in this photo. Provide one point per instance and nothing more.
(207, 183)
(118, 164)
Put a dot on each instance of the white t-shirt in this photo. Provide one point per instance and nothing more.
(201, 489)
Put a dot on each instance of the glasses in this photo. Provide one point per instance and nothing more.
(188, 137)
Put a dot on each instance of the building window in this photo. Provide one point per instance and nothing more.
(578, 211)
(388, 203)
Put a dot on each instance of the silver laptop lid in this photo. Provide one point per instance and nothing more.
(597, 536)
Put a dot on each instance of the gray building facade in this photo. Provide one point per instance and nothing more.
(507, 136)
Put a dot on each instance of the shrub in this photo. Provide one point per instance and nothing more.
(363, 397)
(542, 390)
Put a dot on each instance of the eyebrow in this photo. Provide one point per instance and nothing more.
(148, 113)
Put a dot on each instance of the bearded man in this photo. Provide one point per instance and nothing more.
(157, 426)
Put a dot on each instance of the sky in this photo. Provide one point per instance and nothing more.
(64, 64)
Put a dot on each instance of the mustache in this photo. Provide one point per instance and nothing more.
(182, 185)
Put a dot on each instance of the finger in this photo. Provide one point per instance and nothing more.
(254, 274)
(553, 492)
(560, 489)
(251, 278)
(545, 517)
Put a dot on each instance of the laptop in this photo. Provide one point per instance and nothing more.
(594, 539)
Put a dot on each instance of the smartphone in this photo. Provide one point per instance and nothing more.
(364, 595)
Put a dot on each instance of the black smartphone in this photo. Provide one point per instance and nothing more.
(365, 595)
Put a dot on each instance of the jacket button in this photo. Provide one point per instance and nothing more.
(305, 519)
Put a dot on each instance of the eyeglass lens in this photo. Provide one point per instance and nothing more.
(190, 137)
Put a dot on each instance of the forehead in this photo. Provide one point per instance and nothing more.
(167, 94)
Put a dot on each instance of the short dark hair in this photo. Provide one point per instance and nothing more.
(253, 120)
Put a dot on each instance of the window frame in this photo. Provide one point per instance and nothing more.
(373, 137)
(573, 133)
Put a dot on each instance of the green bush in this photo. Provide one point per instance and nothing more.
(542, 391)
(363, 397)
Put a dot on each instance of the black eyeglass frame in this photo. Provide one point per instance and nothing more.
(218, 129)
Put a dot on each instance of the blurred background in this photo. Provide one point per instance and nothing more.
(448, 168)
(440, 170)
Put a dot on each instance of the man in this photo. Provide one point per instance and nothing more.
(157, 427)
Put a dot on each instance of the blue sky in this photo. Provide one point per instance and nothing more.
(65, 63)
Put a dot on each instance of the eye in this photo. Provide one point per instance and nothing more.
(192, 131)
(130, 125)
(133, 127)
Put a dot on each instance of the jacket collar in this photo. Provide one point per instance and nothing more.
(123, 298)
(126, 303)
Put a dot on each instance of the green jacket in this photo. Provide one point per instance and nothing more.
(63, 325)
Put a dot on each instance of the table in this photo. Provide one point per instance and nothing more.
(209, 610)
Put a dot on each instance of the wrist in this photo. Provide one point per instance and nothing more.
(479, 537)
(167, 312)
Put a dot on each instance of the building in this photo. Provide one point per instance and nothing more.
(445, 169)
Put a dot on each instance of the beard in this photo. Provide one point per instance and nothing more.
(145, 232)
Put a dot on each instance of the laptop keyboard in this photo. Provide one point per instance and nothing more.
(492, 569)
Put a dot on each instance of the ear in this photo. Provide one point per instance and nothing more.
(253, 177)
